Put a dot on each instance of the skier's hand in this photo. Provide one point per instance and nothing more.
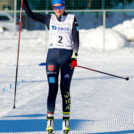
(73, 61)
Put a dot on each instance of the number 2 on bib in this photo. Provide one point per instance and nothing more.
(60, 39)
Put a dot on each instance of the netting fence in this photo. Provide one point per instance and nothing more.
(70, 4)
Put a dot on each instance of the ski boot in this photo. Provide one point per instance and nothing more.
(50, 125)
(65, 125)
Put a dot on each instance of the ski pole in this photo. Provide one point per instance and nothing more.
(127, 78)
(18, 55)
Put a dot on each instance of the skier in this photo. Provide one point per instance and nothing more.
(61, 57)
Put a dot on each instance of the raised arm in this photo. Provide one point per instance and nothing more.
(35, 16)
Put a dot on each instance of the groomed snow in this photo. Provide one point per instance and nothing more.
(101, 104)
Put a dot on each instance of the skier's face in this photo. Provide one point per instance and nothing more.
(58, 9)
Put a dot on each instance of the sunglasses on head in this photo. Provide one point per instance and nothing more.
(58, 7)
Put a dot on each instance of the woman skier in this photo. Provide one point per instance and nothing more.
(61, 57)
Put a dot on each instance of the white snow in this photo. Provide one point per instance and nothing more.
(1, 29)
(93, 39)
(126, 28)
(101, 104)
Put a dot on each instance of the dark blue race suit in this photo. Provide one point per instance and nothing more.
(58, 62)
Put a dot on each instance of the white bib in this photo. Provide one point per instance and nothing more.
(60, 33)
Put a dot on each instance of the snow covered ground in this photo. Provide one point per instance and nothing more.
(101, 104)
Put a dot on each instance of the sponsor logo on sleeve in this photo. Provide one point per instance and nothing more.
(77, 28)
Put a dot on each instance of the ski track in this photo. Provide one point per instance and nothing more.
(100, 104)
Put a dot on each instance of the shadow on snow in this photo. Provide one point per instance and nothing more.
(33, 124)
(115, 132)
